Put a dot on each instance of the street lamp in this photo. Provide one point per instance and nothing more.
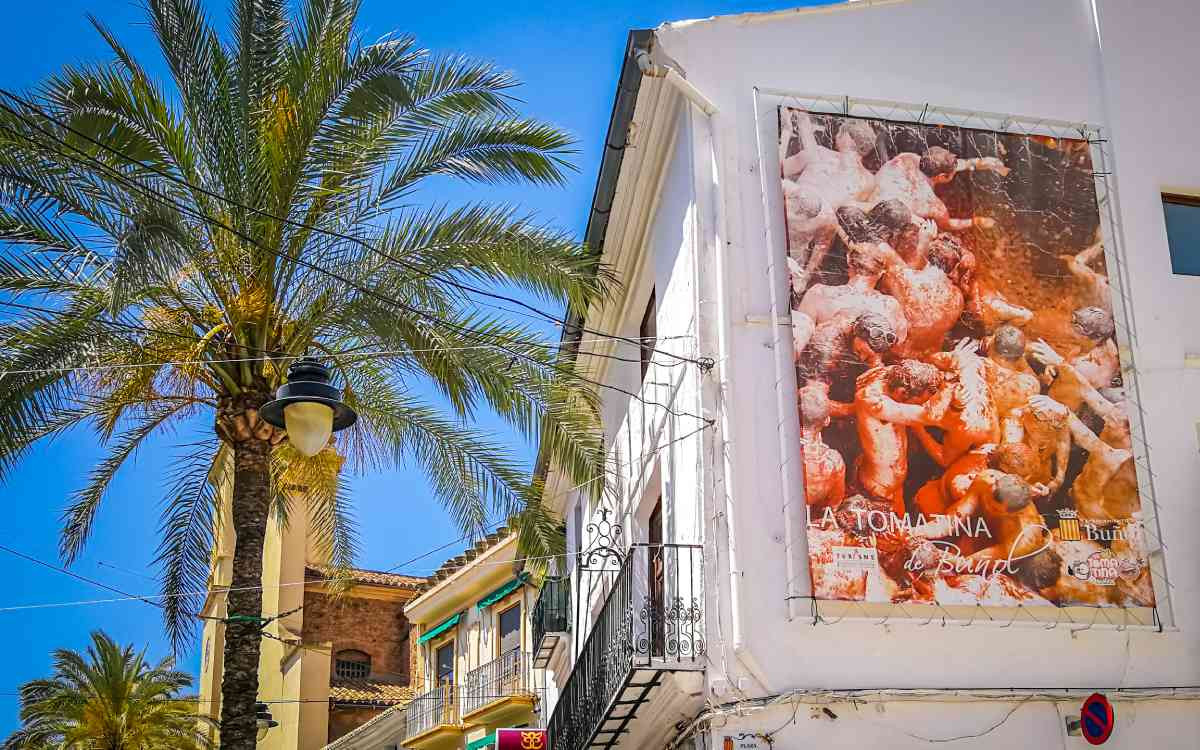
(262, 717)
(308, 407)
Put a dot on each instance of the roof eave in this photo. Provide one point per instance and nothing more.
(625, 102)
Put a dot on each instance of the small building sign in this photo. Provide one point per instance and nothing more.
(745, 741)
(521, 739)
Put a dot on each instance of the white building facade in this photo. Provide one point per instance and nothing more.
(693, 620)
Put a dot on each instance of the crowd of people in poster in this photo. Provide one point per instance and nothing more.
(964, 428)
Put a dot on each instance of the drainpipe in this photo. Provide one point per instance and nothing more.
(785, 402)
(671, 75)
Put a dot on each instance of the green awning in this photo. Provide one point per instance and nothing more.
(482, 742)
(445, 625)
(503, 591)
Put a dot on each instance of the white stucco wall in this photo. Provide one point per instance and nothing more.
(1017, 723)
(660, 257)
(702, 246)
(1025, 57)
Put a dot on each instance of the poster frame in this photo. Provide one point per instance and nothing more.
(798, 592)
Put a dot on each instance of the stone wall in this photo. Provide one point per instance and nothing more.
(374, 626)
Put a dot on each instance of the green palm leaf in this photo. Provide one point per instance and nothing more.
(173, 246)
(108, 697)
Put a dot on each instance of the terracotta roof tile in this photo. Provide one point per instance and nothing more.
(374, 692)
(452, 566)
(372, 577)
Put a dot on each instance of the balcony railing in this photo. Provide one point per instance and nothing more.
(509, 676)
(438, 707)
(652, 619)
(551, 618)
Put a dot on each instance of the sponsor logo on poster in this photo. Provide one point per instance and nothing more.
(855, 558)
(1068, 526)
(1105, 568)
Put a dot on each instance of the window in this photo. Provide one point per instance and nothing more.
(658, 587)
(352, 665)
(445, 664)
(1183, 232)
(510, 629)
(648, 333)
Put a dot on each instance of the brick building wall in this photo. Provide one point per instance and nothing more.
(376, 627)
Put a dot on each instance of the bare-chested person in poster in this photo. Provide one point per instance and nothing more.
(824, 468)
(816, 182)
(887, 401)
(910, 178)
(1042, 424)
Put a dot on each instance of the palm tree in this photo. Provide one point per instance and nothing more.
(173, 249)
(108, 699)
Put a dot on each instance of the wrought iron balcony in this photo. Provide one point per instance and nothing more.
(432, 710)
(551, 619)
(651, 622)
(498, 681)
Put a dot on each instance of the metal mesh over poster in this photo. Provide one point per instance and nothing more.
(972, 445)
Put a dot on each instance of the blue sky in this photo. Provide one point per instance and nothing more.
(567, 54)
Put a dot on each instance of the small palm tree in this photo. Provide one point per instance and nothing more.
(108, 699)
(172, 250)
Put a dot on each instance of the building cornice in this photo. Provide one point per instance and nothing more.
(456, 591)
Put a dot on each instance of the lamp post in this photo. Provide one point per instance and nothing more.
(308, 407)
(262, 717)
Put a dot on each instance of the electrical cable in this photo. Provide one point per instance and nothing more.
(149, 598)
(133, 327)
(471, 334)
(91, 581)
(308, 227)
(1182, 692)
(342, 355)
(144, 577)
(854, 695)
(298, 261)
(973, 735)
(287, 701)
(124, 180)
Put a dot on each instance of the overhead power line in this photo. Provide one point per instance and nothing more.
(150, 598)
(165, 174)
(433, 320)
(340, 355)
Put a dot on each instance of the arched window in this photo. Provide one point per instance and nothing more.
(352, 665)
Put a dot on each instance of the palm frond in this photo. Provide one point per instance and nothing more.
(107, 697)
(499, 150)
(187, 528)
(159, 297)
(77, 519)
(318, 481)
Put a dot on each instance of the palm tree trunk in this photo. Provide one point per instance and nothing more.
(243, 639)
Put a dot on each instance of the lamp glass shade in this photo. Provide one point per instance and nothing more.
(309, 425)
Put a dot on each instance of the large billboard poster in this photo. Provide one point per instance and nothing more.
(964, 425)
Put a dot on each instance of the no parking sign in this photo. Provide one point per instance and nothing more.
(1096, 719)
